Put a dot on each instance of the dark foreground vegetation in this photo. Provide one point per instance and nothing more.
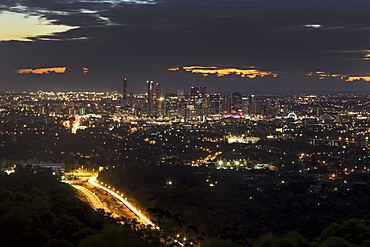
(38, 210)
(243, 208)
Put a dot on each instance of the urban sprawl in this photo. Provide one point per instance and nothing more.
(333, 128)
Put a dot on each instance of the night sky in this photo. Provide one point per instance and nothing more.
(249, 46)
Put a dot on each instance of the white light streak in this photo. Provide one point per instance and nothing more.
(313, 25)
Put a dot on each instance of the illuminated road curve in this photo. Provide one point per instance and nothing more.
(94, 199)
(125, 202)
(129, 206)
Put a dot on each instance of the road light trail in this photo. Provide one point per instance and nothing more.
(94, 199)
(127, 204)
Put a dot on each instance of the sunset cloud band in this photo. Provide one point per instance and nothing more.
(322, 75)
(219, 71)
(40, 71)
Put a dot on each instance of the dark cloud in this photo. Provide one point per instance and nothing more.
(141, 39)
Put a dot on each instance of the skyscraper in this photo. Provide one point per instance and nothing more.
(194, 91)
(236, 103)
(203, 91)
(245, 105)
(159, 101)
(158, 90)
(215, 104)
(124, 91)
(255, 105)
(181, 93)
(172, 105)
(150, 99)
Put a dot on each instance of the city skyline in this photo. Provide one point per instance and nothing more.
(261, 46)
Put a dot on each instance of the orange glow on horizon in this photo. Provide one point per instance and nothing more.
(322, 75)
(360, 78)
(206, 71)
(40, 71)
(174, 69)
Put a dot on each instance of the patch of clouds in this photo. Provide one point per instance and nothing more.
(40, 71)
(23, 27)
(311, 27)
(73, 12)
(251, 72)
(88, 11)
(51, 38)
(48, 71)
(116, 2)
(361, 29)
(350, 78)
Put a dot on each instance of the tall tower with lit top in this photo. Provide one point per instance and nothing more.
(150, 92)
(124, 91)
(158, 90)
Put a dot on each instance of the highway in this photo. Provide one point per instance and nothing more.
(128, 209)
(95, 201)
(142, 218)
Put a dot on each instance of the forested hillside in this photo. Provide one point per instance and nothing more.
(243, 206)
(38, 210)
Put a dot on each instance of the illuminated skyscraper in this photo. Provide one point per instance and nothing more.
(172, 105)
(124, 91)
(236, 103)
(215, 104)
(227, 104)
(181, 93)
(158, 90)
(194, 91)
(150, 99)
(255, 105)
(159, 100)
(245, 105)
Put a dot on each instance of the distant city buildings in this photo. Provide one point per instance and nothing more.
(197, 104)
(83, 110)
(338, 123)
